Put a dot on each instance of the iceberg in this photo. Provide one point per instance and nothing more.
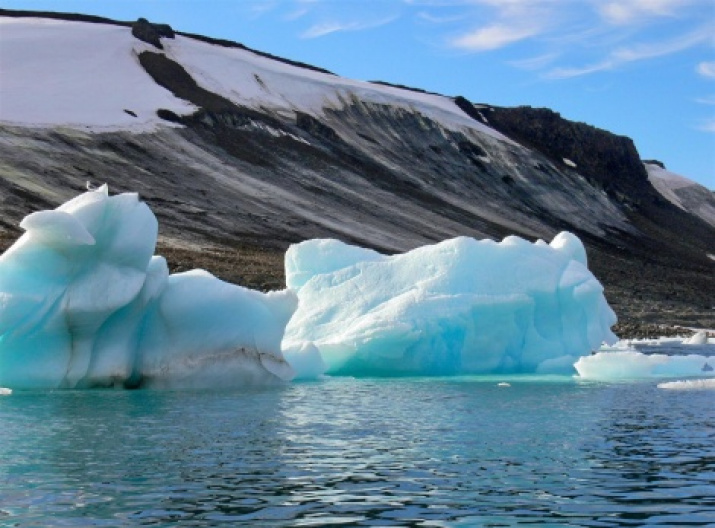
(458, 307)
(85, 303)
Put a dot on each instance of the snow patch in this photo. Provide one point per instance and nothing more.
(88, 76)
(78, 75)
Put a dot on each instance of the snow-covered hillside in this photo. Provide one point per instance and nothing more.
(682, 192)
(99, 82)
(91, 78)
(62, 73)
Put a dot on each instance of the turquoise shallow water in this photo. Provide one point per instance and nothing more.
(407, 452)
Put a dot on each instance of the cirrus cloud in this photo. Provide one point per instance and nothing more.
(325, 28)
(706, 69)
(629, 11)
(493, 37)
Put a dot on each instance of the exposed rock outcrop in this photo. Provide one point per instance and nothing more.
(609, 161)
(151, 33)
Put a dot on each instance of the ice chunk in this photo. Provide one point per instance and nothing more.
(698, 384)
(83, 303)
(306, 362)
(458, 307)
(699, 338)
(630, 364)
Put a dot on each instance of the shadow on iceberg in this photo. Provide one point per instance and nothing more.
(83, 303)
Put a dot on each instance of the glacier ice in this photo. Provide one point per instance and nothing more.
(458, 307)
(84, 303)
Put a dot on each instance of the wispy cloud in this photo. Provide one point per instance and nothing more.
(258, 9)
(710, 100)
(623, 12)
(535, 63)
(437, 19)
(707, 125)
(493, 37)
(511, 21)
(638, 52)
(298, 13)
(326, 28)
(706, 69)
(594, 35)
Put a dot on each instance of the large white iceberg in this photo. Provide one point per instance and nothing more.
(83, 303)
(458, 307)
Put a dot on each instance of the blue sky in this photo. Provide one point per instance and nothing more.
(641, 68)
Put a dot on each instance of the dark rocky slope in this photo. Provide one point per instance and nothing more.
(235, 186)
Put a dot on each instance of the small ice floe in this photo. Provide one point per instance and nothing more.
(5, 391)
(698, 384)
(630, 364)
(503, 384)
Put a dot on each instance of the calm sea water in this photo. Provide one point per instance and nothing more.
(430, 452)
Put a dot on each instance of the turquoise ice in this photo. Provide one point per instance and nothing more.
(462, 306)
(84, 303)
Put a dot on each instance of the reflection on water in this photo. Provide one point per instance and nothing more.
(361, 453)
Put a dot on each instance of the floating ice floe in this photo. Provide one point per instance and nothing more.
(696, 384)
(458, 307)
(651, 358)
(83, 303)
(630, 364)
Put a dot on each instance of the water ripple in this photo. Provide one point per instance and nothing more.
(361, 453)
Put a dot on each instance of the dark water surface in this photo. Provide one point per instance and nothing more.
(429, 452)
